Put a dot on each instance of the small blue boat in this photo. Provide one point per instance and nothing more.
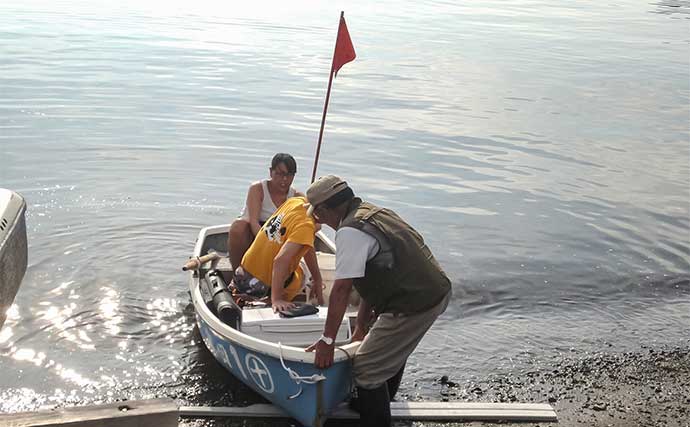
(267, 352)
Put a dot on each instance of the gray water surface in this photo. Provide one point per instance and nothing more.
(542, 149)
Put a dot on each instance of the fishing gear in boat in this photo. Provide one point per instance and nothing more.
(222, 301)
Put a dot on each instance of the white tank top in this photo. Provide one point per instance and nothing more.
(267, 205)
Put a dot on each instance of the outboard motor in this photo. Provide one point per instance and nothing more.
(226, 308)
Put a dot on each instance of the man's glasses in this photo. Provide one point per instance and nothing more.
(284, 174)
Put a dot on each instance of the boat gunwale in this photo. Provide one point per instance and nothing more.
(13, 202)
(289, 353)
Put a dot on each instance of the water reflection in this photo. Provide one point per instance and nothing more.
(679, 8)
(109, 308)
(541, 149)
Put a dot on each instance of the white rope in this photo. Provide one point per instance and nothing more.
(311, 379)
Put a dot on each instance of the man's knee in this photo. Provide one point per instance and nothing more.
(239, 227)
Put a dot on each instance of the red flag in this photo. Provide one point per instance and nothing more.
(344, 51)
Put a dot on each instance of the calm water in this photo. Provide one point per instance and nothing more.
(542, 148)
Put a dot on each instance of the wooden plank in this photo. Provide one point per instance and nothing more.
(260, 410)
(472, 405)
(418, 411)
(132, 413)
(460, 415)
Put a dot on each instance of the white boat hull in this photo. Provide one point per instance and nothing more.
(13, 248)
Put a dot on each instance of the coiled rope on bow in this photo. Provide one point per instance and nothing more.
(298, 379)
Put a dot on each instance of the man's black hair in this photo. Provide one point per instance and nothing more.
(285, 159)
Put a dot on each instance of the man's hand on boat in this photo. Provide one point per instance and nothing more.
(323, 358)
(280, 306)
(316, 291)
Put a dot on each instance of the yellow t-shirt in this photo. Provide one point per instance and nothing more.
(290, 223)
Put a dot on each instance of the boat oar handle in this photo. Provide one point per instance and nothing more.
(196, 262)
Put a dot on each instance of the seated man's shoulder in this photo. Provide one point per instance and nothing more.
(256, 188)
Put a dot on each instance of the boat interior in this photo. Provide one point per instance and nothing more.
(257, 319)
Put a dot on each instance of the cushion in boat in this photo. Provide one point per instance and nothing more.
(300, 309)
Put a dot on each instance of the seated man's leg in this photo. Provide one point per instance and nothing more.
(239, 239)
(249, 285)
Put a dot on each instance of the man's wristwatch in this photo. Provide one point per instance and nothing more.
(327, 340)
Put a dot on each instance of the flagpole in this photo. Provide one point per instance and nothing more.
(325, 106)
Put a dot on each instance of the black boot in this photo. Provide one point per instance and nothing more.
(394, 383)
(374, 407)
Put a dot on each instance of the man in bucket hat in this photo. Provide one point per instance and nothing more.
(403, 291)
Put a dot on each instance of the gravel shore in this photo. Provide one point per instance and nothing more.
(649, 387)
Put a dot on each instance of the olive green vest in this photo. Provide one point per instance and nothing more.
(404, 276)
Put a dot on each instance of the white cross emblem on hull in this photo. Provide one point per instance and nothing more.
(259, 373)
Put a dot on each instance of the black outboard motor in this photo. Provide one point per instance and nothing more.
(226, 308)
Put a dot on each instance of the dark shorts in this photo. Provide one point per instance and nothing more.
(250, 285)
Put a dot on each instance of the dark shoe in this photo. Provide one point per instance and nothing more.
(374, 407)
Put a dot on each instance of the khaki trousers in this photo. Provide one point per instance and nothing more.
(389, 343)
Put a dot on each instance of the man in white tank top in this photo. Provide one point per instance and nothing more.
(263, 198)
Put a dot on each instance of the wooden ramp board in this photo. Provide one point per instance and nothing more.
(416, 411)
(132, 413)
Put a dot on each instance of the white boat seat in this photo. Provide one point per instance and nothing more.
(301, 331)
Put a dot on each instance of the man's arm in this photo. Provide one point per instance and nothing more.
(281, 271)
(363, 319)
(254, 196)
(317, 280)
(337, 304)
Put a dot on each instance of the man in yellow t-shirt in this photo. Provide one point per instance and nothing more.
(274, 256)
